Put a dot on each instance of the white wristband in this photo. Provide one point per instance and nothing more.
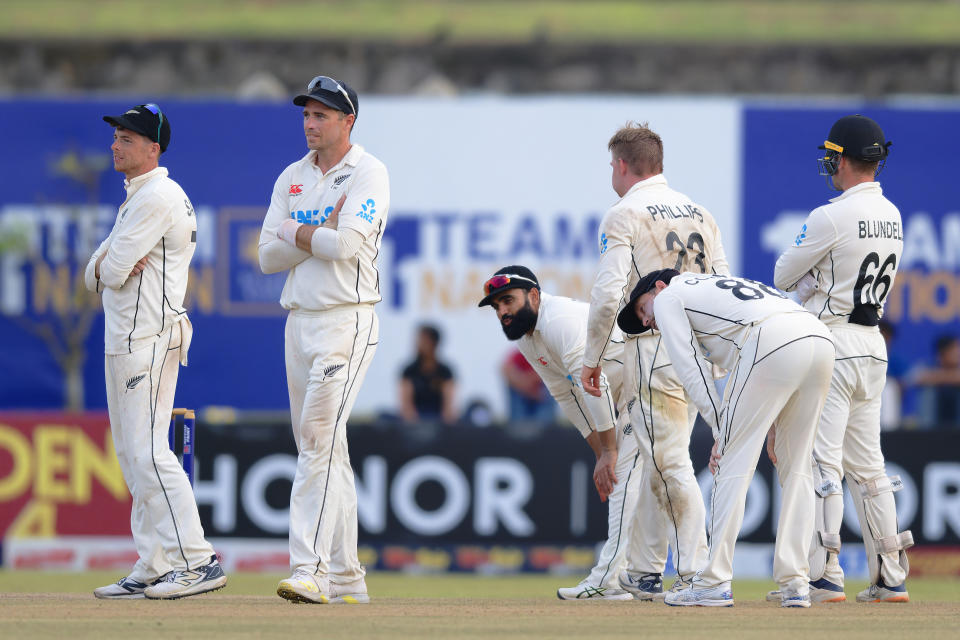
(288, 231)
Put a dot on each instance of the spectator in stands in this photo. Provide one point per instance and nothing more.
(891, 401)
(427, 385)
(529, 398)
(939, 387)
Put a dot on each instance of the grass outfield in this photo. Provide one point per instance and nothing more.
(879, 22)
(49, 605)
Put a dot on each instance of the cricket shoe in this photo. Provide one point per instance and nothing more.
(123, 589)
(719, 596)
(586, 591)
(882, 593)
(792, 600)
(643, 586)
(304, 586)
(189, 582)
(821, 591)
(349, 593)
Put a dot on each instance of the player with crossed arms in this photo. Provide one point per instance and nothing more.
(550, 332)
(653, 227)
(842, 266)
(780, 358)
(324, 227)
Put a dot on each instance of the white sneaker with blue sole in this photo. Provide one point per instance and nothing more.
(692, 596)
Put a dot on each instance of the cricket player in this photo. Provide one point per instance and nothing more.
(843, 266)
(141, 271)
(652, 227)
(550, 332)
(780, 358)
(324, 228)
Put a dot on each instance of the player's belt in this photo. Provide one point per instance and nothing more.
(866, 315)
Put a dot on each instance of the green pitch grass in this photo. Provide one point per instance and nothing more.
(878, 22)
(50, 605)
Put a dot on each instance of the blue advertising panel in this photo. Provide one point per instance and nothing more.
(781, 186)
(464, 202)
(58, 200)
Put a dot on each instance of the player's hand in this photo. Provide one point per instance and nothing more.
(332, 221)
(604, 474)
(139, 267)
(590, 378)
(714, 457)
(771, 443)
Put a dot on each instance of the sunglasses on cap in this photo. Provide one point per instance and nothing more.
(155, 110)
(329, 84)
(501, 280)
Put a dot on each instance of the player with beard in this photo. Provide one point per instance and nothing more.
(550, 332)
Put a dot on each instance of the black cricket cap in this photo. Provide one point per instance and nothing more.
(147, 120)
(513, 277)
(627, 319)
(331, 92)
(857, 137)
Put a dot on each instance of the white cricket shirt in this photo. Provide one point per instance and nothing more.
(156, 220)
(853, 247)
(705, 318)
(555, 351)
(307, 195)
(651, 227)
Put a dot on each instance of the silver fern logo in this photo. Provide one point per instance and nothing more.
(339, 180)
(332, 370)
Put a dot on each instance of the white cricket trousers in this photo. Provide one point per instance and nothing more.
(781, 379)
(163, 519)
(663, 419)
(636, 528)
(327, 356)
(848, 441)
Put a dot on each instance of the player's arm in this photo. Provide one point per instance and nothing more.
(276, 255)
(91, 276)
(817, 236)
(360, 215)
(565, 334)
(692, 368)
(133, 239)
(613, 272)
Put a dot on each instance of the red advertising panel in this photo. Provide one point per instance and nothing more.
(59, 476)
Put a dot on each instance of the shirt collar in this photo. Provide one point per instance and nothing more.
(863, 187)
(544, 303)
(133, 185)
(351, 158)
(658, 179)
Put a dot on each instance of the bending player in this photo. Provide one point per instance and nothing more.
(550, 332)
(652, 227)
(843, 265)
(780, 358)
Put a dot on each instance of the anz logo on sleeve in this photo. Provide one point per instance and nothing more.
(311, 216)
(367, 210)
